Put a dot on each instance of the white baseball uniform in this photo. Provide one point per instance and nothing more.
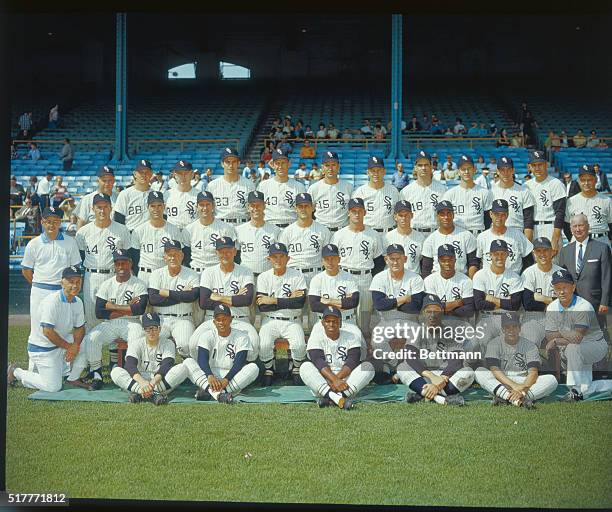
(538, 281)
(409, 284)
(379, 205)
(132, 204)
(280, 199)
(462, 240)
(202, 240)
(448, 290)
(469, 205)
(331, 202)
(519, 198)
(84, 210)
(336, 287)
(305, 246)
(545, 194)
(412, 244)
(231, 199)
(519, 247)
(181, 207)
(598, 210)
(228, 283)
(423, 201)
(254, 243)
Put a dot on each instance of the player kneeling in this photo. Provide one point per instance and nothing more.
(221, 370)
(149, 371)
(513, 363)
(435, 367)
(333, 373)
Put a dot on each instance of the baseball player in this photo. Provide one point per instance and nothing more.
(360, 251)
(519, 247)
(423, 195)
(334, 373)
(331, 195)
(119, 302)
(281, 294)
(97, 241)
(520, 200)
(221, 369)
(550, 199)
(172, 291)
(513, 365)
(149, 372)
(462, 240)
(158, 183)
(471, 202)
(280, 192)
(231, 190)
(57, 337)
(397, 293)
(148, 239)
(44, 259)
(435, 370)
(573, 329)
(596, 206)
(404, 235)
(378, 197)
(453, 288)
(106, 183)
(496, 290)
(131, 205)
(181, 201)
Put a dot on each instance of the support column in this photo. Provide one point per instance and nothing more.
(397, 45)
(121, 132)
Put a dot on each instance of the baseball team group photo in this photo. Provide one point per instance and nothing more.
(373, 300)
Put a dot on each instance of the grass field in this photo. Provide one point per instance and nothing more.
(398, 454)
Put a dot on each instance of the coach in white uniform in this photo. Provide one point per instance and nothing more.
(331, 195)
(56, 338)
(378, 197)
(97, 241)
(334, 373)
(106, 183)
(220, 368)
(181, 201)
(44, 259)
(131, 206)
(172, 291)
(231, 190)
(411, 240)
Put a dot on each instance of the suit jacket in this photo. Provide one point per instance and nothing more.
(594, 281)
(574, 188)
(605, 187)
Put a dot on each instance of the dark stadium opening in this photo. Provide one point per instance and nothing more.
(229, 71)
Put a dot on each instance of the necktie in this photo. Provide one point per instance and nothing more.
(579, 261)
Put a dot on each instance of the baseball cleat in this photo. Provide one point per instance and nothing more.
(528, 403)
(159, 399)
(10, 374)
(135, 398)
(413, 398)
(497, 400)
(202, 395)
(456, 400)
(297, 380)
(324, 402)
(267, 379)
(347, 404)
(572, 396)
(225, 398)
(95, 385)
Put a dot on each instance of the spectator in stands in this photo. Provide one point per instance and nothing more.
(483, 131)
(517, 140)
(17, 194)
(315, 173)
(119, 188)
(266, 155)
(158, 184)
(503, 139)
(473, 131)
(492, 129)
(71, 228)
(254, 177)
(59, 191)
(449, 168)
(384, 130)
(400, 178)
(308, 133)
(298, 131)
(528, 129)
(30, 214)
(207, 177)
(196, 181)
(459, 128)
(425, 123)
(307, 151)
(484, 180)
(301, 174)
(332, 131)
(262, 169)
(564, 139)
(14, 154)
(67, 155)
(321, 132)
(434, 160)
(44, 189)
(521, 115)
(25, 125)
(379, 132)
(54, 117)
(246, 171)
(492, 165)
(480, 163)
(436, 172)
(277, 123)
(287, 127)
(414, 125)
(571, 186)
(437, 128)
(31, 189)
(579, 140)
(593, 140)
(34, 153)
(278, 135)
(552, 142)
(366, 129)
(286, 146)
(602, 184)
(347, 133)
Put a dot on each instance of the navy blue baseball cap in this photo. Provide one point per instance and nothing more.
(105, 170)
(562, 276)
(172, 244)
(446, 250)
(505, 162)
(303, 198)
(402, 206)
(142, 165)
(155, 197)
(330, 156)
(587, 169)
(395, 249)
(279, 154)
(431, 299)
(498, 245)
(228, 152)
(542, 242)
(224, 242)
(444, 205)
(356, 202)
(121, 254)
(255, 196)
(465, 159)
(52, 210)
(278, 248)
(500, 205)
(150, 320)
(422, 155)
(332, 311)
(183, 165)
(72, 271)
(101, 198)
(330, 250)
(510, 318)
(205, 196)
(537, 156)
(222, 309)
(375, 161)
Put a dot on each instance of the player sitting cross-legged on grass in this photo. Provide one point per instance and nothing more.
(150, 372)
(334, 373)
(221, 370)
(514, 364)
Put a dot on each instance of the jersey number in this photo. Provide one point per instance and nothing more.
(93, 250)
(134, 210)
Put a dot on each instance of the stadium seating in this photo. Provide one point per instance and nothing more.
(571, 159)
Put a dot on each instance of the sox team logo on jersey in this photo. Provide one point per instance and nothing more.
(388, 204)
(411, 250)
(191, 209)
(234, 288)
(289, 198)
(286, 290)
(128, 295)
(265, 240)
(241, 198)
(513, 201)
(504, 290)
(519, 361)
(544, 198)
(342, 353)
(596, 210)
(457, 245)
(111, 243)
(341, 200)
(341, 292)
(365, 248)
(455, 293)
(164, 240)
(476, 204)
(433, 199)
(314, 242)
(230, 351)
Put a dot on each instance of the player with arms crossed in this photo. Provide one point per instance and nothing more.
(334, 373)
(181, 200)
(131, 206)
(411, 240)
(106, 183)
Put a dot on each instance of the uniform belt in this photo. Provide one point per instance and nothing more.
(149, 270)
(382, 230)
(45, 286)
(98, 270)
(333, 230)
(235, 221)
(311, 269)
(543, 222)
(255, 274)
(475, 232)
(38, 348)
(348, 317)
(178, 315)
(357, 272)
(197, 269)
(423, 230)
(281, 225)
(287, 319)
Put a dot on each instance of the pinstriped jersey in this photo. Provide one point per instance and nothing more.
(228, 283)
(100, 243)
(184, 280)
(469, 205)
(336, 287)
(202, 239)
(412, 244)
(519, 247)
(149, 358)
(513, 358)
(336, 351)
(84, 211)
(423, 201)
(181, 207)
(280, 199)
(358, 249)
(379, 205)
(331, 202)
(598, 211)
(457, 287)
(545, 194)
(305, 244)
(230, 198)
(281, 287)
(222, 350)
(121, 294)
(132, 204)
(519, 198)
(149, 240)
(254, 243)
(463, 241)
